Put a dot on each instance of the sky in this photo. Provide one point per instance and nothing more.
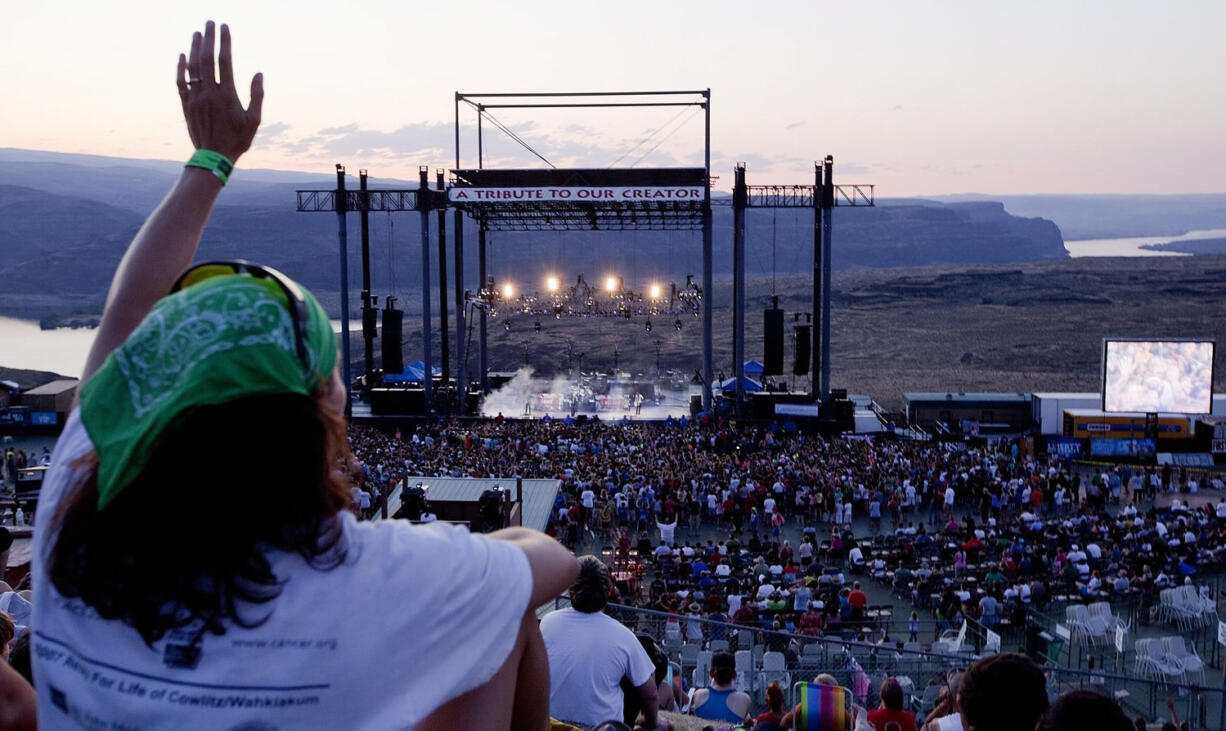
(918, 98)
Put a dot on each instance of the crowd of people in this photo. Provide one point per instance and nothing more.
(1025, 528)
(770, 528)
(183, 577)
(603, 677)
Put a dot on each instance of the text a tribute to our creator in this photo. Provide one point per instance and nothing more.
(561, 194)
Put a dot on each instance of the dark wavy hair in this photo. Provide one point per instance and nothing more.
(590, 591)
(187, 540)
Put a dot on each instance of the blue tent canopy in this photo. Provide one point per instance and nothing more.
(747, 383)
(415, 371)
(754, 367)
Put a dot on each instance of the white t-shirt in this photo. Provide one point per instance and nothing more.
(667, 533)
(416, 616)
(589, 498)
(589, 654)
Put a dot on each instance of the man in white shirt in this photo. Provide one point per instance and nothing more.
(589, 654)
(668, 531)
(588, 499)
(856, 556)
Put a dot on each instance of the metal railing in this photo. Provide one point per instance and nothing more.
(863, 665)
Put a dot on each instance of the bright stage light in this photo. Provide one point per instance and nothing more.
(610, 284)
(552, 284)
(508, 291)
(655, 291)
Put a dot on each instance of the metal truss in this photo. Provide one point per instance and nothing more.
(319, 201)
(801, 196)
(563, 216)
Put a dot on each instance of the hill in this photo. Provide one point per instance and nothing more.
(1114, 216)
(68, 217)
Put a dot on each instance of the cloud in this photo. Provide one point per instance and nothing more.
(272, 132)
(572, 145)
(896, 108)
(856, 168)
(426, 141)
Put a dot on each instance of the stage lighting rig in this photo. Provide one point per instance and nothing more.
(612, 299)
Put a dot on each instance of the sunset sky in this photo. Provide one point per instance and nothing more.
(917, 97)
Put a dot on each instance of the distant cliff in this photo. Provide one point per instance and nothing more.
(64, 228)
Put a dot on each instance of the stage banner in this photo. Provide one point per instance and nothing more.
(1067, 447)
(618, 194)
(992, 641)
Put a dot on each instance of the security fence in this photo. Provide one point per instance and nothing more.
(921, 667)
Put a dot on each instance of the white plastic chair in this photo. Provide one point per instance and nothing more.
(947, 643)
(1153, 662)
(1177, 649)
(774, 670)
(744, 671)
(1102, 610)
(702, 669)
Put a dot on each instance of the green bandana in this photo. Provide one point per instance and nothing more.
(216, 341)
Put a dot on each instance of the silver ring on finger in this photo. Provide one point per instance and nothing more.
(193, 80)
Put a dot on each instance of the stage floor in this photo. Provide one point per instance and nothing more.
(534, 399)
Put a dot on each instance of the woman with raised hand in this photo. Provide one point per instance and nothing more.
(198, 566)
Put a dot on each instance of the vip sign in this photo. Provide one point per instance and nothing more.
(549, 194)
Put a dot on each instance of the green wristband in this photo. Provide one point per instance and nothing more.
(214, 162)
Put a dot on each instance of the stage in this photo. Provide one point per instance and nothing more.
(609, 398)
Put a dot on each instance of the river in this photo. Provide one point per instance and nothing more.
(1132, 246)
(23, 344)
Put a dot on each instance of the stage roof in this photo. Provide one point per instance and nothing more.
(538, 494)
(582, 199)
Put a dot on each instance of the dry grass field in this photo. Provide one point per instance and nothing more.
(1011, 327)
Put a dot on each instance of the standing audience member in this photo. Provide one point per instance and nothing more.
(589, 654)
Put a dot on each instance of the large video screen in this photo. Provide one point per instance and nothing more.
(1167, 376)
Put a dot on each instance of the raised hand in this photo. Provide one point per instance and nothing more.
(216, 119)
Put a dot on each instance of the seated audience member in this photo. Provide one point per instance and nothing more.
(215, 396)
(721, 701)
(7, 631)
(859, 717)
(1005, 692)
(1085, 709)
(890, 716)
(945, 715)
(772, 717)
(18, 703)
(590, 652)
(667, 691)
